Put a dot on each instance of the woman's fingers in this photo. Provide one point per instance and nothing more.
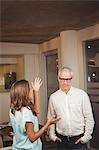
(37, 84)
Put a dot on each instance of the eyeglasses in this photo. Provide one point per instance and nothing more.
(65, 79)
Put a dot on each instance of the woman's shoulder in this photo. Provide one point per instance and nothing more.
(26, 110)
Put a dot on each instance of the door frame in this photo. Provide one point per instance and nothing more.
(45, 97)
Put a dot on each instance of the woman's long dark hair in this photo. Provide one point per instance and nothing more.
(19, 95)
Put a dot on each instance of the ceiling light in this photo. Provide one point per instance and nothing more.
(89, 46)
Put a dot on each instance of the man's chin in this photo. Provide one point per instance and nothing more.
(66, 89)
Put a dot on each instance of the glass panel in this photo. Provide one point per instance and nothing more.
(92, 67)
(92, 52)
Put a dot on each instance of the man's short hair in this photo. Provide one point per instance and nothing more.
(65, 69)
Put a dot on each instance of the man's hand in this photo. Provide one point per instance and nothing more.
(58, 140)
(80, 141)
(37, 84)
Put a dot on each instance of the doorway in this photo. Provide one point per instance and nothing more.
(51, 69)
(92, 78)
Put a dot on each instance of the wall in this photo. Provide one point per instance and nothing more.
(30, 52)
(18, 49)
(4, 107)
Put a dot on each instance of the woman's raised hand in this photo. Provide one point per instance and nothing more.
(37, 84)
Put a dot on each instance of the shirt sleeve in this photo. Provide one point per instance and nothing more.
(28, 117)
(88, 116)
(51, 114)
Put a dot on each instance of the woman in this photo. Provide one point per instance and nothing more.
(23, 115)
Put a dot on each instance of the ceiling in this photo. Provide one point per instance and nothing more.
(29, 21)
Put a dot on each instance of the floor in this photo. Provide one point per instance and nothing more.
(48, 146)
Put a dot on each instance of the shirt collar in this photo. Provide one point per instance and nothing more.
(68, 91)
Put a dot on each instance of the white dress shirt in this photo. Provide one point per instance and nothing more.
(75, 111)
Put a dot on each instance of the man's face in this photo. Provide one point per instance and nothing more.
(64, 79)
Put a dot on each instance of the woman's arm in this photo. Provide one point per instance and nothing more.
(36, 86)
(36, 102)
(32, 135)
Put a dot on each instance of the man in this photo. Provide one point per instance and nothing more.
(75, 127)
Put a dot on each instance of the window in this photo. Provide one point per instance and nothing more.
(92, 52)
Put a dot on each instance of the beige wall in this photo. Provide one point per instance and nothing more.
(18, 49)
(4, 107)
(30, 53)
